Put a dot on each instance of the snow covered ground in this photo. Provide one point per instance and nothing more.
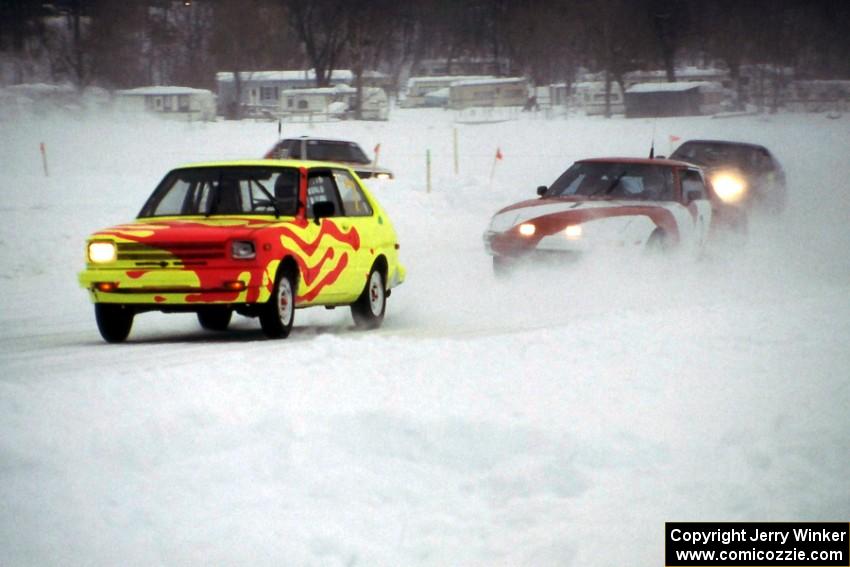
(558, 418)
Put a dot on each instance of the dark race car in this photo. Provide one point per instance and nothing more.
(744, 175)
(326, 149)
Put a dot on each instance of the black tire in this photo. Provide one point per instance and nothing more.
(502, 267)
(215, 318)
(368, 311)
(278, 313)
(113, 321)
(658, 243)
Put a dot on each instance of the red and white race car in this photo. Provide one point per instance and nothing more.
(619, 203)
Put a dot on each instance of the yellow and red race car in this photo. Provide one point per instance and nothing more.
(258, 237)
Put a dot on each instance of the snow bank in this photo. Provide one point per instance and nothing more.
(557, 418)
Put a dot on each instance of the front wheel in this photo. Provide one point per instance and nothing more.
(502, 266)
(113, 321)
(279, 312)
(368, 311)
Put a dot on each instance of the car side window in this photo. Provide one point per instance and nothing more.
(322, 188)
(692, 182)
(293, 148)
(354, 203)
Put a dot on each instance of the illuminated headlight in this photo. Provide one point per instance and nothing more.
(383, 176)
(527, 229)
(101, 252)
(243, 250)
(573, 231)
(729, 187)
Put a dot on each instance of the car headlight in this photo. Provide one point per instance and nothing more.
(730, 187)
(527, 229)
(243, 250)
(383, 176)
(573, 232)
(101, 252)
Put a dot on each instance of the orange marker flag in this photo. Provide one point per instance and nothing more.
(496, 160)
(671, 139)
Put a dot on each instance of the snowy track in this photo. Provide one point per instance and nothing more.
(556, 418)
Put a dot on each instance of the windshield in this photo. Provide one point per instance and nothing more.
(328, 150)
(715, 154)
(615, 181)
(225, 191)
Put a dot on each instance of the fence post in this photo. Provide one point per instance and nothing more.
(454, 147)
(428, 171)
(44, 159)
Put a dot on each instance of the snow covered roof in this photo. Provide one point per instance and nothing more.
(40, 88)
(489, 81)
(162, 90)
(338, 89)
(439, 94)
(289, 75)
(447, 79)
(594, 86)
(667, 87)
(293, 75)
(681, 72)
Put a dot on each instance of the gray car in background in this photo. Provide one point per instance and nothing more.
(742, 174)
(326, 149)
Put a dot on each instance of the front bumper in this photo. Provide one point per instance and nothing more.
(508, 244)
(177, 287)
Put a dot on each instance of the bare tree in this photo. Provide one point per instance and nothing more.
(371, 31)
(547, 40)
(669, 22)
(322, 28)
(22, 33)
(619, 40)
(239, 44)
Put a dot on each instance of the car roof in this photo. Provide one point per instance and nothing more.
(724, 143)
(296, 163)
(319, 139)
(641, 161)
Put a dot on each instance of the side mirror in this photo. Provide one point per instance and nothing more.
(542, 190)
(692, 195)
(323, 209)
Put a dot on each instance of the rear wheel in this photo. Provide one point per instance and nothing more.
(658, 243)
(368, 311)
(279, 311)
(113, 321)
(215, 318)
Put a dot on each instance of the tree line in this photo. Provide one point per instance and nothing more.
(146, 42)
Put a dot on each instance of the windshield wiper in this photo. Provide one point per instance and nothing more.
(272, 200)
(609, 188)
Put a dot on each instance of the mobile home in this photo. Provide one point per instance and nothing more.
(590, 97)
(687, 98)
(170, 102)
(261, 92)
(333, 103)
(488, 92)
(418, 89)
